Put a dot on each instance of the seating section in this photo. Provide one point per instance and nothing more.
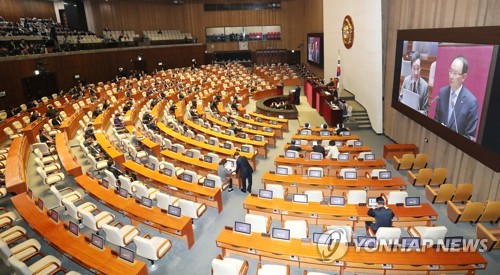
(158, 35)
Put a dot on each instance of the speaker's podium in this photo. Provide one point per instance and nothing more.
(280, 87)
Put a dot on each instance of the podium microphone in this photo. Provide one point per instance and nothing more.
(455, 117)
(436, 98)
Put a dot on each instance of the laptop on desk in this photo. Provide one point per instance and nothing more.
(410, 99)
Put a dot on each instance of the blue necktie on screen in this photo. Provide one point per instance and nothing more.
(451, 106)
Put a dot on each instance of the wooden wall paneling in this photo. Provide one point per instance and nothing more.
(13, 10)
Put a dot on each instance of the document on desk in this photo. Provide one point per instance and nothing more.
(410, 99)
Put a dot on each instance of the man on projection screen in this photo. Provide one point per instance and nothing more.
(417, 85)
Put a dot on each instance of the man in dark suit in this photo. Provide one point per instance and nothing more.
(457, 107)
(382, 214)
(294, 147)
(297, 95)
(318, 148)
(243, 166)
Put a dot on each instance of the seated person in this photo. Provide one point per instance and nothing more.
(113, 169)
(130, 175)
(97, 111)
(307, 125)
(341, 129)
(234, 127)
(225, 174)
(56, 121)
(89, 131)
(193, 112)
(105, 105)
(382, 214)
(333, 151)
(294, 147)
(136, 140)
(45, 138)
(147, 118)
(118, 121)
(51, 112)
(318, 148)
(34, 116)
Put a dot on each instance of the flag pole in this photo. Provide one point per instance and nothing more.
(339, 89)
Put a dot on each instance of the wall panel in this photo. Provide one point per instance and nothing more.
(408, 14)
(13, 10)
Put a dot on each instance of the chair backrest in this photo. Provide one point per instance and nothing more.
(20, 268)
(445, 192)
(376, 173)
(292, 153)
(289, 169)
(113, 235)
(200, 137)
(163, 200)
(196, 153)
(472, 212)
(154, 161)
(215, 140)
(216, 179)
(259, 224)
(141, 190)
(26, 119)
(344, 232)
(125, 183)
(463, 192)
(439, 176)
(221, 267)
(5, 252)
(145, 248)
(434, 234)
(56, 193)
(356, 196)
(194, 176)
(38, 162)
(363, 154)
(407, 161)
(215, 157)
(110, 177)
(420, 161)
(388, 235)
(188, 208)
(89, 220)
(350, 142)
(344, 170)
(423, 177)
(278, 190)
(41, 172)
(396, 197)
(298, 229)
(70, 208)
(180, 147)
(491, 212)
(314, 195)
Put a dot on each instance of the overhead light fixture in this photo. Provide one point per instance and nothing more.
(160, 63)
(139, 58)
(36, 72)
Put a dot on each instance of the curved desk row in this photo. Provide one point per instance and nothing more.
(269, 136)
(16, 165)
(318, 137)
(109, 149)
(68, 161)
(330, 167)
(277, 128)
(281, 121)
(342, 149)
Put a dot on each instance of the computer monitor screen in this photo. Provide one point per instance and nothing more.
(358, 143)
(73, 228)
(346, 133)
(189, 154)
(228, 132)
(151, 166)
(266, 194)
(281, 234)
(174, 211)
(369, 157)
(314, 174)
(210, 183)
(339, 143)
(274, 122)
(384, 175)
(39, 203)
(337, 200)
(105, 183)
(245, 148)
(97, 241)
(207, 159)
(290, 154)
(281, 116)
(352, 175)
(259, 119)
(187, 177)
(227, 145)
(211, 142)
(268, 130)
(167, 172)
(174, 149)
(147, 202)
(343, 157)
(410, 242)
(412, 201)
(281, 171)
(305, 132)
(316, 156)
(258, 138)
(255, 127)
(454, 242)
(127, 254)
(322, 238)
(123, 192)
(242, 135)
(242, 227)
(302, 198)
(368, 242)
(138, 160)
(197, 138)
(325, 133)
(54, 215)
(372, 202)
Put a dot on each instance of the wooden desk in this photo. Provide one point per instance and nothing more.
(318, 137)
(403, 216)
(330, 167)
(278, 128)
(391, 150)
(205, 147)
(70, 125)
(75, 248)
(281, 121)
(153, 217)
(147, 142)
(260, 146)
(109, 149)
(342, 149)
(33, 129)
(270, 137)
(333, 185)
(194, 192)
(68, 161)
(307, 255)
(16, 165)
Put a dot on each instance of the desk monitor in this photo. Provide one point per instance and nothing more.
(242, 227)
(54, 215)
(206, 126)
(281, 116)
(207, 159)
(73, 228)
(174, 211)
(258, 138)
(412, 201)
(412, 243)
(259, 119)
(187, 177)
(314, 174)
(151, 166)
(358, 143)
(265, 194)
(97, 241)
(268, 130)
(167, 172)
(274, 122)
(227, 145)
(290, 154)
(127, 254)
(145, 201)
(322, 238)
(301, 198)
(228, 132)
(456, 242)
(197, 138)
(385, 175)
(346, 133)
(343, 157)
(325, 133)
(173, 149)
(281, 234)
(372, 202)
(39, 203)
(316, 156)
(351, 175)
(369, 157)
(138, 160)
(367, 242)
(105, 183)
(281, 171)
(339, 143)
(123, 192)
(337, 201)
(242, 135)
(189, 154)
(255, 127)
(209, 183)
(305, 132)
(211, 142)
(245, 148)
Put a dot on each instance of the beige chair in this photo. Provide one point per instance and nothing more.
(356, 196)
(21, 251)
(18, 126)
(13, 234)
(70, 194)
(152, 248)
(191, 209)
(8, 131)
(7, 218)
(470, 212)
(3, 192)
(395, 197)
(491, 212)
(423, 177)
(440, 194)
(279, 191)
(74, 211)
(420, 161)
(49, 168)
(345, 232)
(314, 195)
(405, 162)
(95, 222)
(463, 193)
(271, 269)
(142, 190)
(432, 235)
(164, 200)
(298, 229)
(386, 235)
(492, 235)
(229, 266)
(47, 265)
(439, 176)
(259, 224)
(120, 236)
(50, 178)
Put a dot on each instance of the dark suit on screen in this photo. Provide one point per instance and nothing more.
(243, 166)
(466, 112)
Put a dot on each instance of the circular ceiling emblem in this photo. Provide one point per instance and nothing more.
(348, 32)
